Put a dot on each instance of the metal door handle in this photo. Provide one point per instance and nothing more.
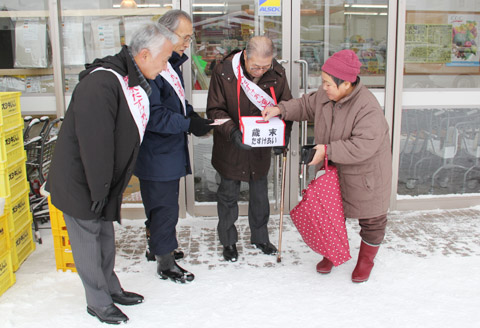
(303, 139)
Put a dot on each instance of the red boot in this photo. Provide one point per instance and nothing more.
(324, 266)
(365, 262)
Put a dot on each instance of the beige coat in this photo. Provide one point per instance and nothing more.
(358, 142)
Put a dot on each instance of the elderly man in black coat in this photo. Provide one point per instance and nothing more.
(94, 159)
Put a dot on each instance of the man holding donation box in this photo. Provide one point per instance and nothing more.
(242, 85)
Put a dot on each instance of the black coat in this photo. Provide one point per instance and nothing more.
(97, 144)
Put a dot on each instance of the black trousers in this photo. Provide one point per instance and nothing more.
(160, 199)
(258, 210)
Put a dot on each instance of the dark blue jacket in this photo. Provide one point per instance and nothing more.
(164, 151)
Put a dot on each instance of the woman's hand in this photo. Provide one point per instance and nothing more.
(270, 112)
(319, 155)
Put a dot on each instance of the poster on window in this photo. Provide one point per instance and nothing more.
(31, 43)
(427, 43)
(465, 40)
(269, 7)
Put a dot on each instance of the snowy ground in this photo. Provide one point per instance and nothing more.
(426, 275)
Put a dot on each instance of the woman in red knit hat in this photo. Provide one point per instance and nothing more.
(350, 122)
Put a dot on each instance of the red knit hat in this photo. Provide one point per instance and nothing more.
(343, 65)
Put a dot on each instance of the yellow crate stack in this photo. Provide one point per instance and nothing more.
(61, 242)
(17, 243)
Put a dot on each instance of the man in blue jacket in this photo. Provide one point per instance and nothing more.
(163, 157)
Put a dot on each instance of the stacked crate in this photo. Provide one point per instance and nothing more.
(7, 277)
(17, 224)
(61, 242)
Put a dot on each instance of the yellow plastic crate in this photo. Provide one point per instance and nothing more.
(19, 208)
(22, 245)
(13, 179)
(7, 277)
(12, 122)
(4, 233)
(64, 258)
(57, 221)
(61, 242)
(11, 147)
(10, 105)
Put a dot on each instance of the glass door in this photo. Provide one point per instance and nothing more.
(221, 27)
(324, 28)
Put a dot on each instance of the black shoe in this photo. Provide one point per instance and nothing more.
(108, 314)
(167, 268)
(176, 254)
(267, 248)
(127, 298)
(230, 253)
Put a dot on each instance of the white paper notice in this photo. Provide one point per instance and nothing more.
(220, 121)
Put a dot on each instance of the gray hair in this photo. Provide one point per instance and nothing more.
(171, 19)
(151, 36)
(260, 46)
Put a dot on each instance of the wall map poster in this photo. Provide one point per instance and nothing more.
(465, 40)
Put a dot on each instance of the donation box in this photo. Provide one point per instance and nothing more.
(260, 133)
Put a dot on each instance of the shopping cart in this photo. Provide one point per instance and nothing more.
(39, 149)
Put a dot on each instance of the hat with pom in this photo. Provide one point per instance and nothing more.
(343, 65)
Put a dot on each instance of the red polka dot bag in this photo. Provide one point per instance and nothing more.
(319, 216)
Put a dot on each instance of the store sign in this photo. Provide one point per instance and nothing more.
(269, 7)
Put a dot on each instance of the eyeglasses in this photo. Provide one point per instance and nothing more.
(186, 38)
(261, 68)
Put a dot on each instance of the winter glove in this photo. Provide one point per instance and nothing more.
(98, 205)
(237, 137)
(193, 114)
(199, 126)
(279, 149)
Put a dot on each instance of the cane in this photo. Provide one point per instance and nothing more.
(282, 202)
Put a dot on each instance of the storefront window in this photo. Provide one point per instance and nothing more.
(440, 145)
(25, 51)
(330, 26)
(95, 29)
(441, 44)
(223, 26)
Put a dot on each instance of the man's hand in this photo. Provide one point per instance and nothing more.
(199, 126)
(270, 112)
(98, 205)
(237, 138)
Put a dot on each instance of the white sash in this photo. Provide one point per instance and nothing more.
(257, 96)
(137, 100)
(174, 80)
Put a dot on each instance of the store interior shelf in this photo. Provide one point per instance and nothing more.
(26, 71)
(21, 13)
(115, 12)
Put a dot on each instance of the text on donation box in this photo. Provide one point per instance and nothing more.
(260, 133)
